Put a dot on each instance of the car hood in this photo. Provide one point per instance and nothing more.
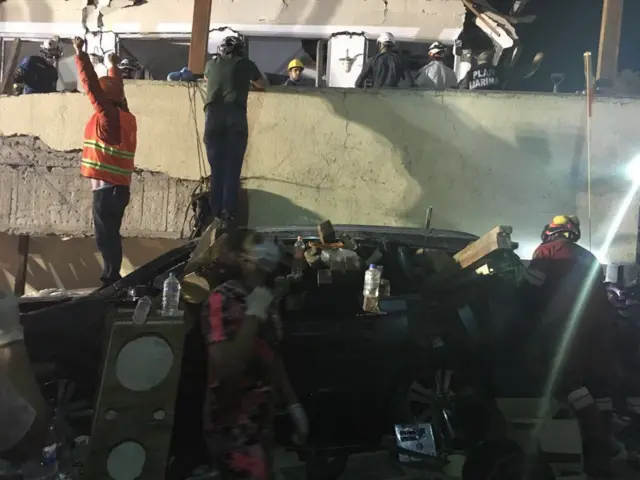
(447, 240)
(434, 238)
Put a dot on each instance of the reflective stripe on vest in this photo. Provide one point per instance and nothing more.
(110, 163)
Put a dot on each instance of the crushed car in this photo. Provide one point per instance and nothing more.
(422, 358)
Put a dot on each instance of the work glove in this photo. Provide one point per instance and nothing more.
(300, 422)
(258, 303)
(10, 328)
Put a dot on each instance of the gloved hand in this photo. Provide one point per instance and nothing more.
(258, 303)
(300, 422)
(10, 328)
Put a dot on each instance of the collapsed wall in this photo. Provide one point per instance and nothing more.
(42, 193)
(356, 157)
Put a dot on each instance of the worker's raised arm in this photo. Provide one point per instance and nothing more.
(114, 71)
(366, 72)
(89, 79)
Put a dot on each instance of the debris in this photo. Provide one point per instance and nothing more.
(326, 232)
(374, 257)
(497, 239)
(312, 255)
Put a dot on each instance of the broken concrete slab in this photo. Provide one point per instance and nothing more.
(42, 193)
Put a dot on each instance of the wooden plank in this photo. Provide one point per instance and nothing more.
(21, 274)
(609, 47)
(498, 238)
(199, 36)
(6, 88)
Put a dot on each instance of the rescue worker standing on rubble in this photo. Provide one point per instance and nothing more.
(436, 75)
(110, 139)
(570, 330)
(242, 334)
(229, 76)
(483, 75)
(24, 418)
(386, 69)
(39, 73)
(295, 70)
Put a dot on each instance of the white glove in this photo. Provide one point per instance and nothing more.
(10, 328)
(258, 302)
(300, 422)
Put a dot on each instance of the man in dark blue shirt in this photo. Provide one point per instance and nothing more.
(38, 73)
(230, 76)
(386, 69)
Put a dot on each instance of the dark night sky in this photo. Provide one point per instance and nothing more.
(630, 43)
(565, 29)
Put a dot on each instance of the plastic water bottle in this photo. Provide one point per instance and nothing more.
(170, 296)
(143, 307)
(297, 267)
(372, 282)
(47, 468)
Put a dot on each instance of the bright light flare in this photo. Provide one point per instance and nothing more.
(633, 170)
(594, 276)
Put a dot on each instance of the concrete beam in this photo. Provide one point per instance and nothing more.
(408, 19)
(42, 193)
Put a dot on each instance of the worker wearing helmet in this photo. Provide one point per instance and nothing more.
(39, 73)
(242, 333)
(229, 77)
(483, 75)
(110, 140)
(436, 75)
(132, 70)
(386, 69)
(295, 70)
(570, 326)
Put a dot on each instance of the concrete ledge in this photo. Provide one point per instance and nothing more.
(362, 157)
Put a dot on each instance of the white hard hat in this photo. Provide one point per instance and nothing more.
(126, 64)
(52, 47)
(386, 38)
(437, 48)
(49, 44)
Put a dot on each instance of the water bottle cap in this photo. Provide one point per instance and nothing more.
(372, 265)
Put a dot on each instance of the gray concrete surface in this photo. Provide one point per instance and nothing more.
(43, 193)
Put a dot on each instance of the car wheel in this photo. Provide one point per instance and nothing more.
(457, 410)
(324, 467)
(73, 413)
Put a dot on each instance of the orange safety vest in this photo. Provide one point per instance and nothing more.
(110, 163)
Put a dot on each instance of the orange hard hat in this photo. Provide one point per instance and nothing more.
(112, 88)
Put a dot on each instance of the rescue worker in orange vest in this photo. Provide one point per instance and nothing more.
(570, 330)
(110, 139)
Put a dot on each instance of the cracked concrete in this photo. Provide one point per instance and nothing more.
(43, 193)
(368, 157)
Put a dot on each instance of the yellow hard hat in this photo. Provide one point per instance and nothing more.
(565, 219)
(295, 63)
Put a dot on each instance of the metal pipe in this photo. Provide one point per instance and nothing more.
(319, 62)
